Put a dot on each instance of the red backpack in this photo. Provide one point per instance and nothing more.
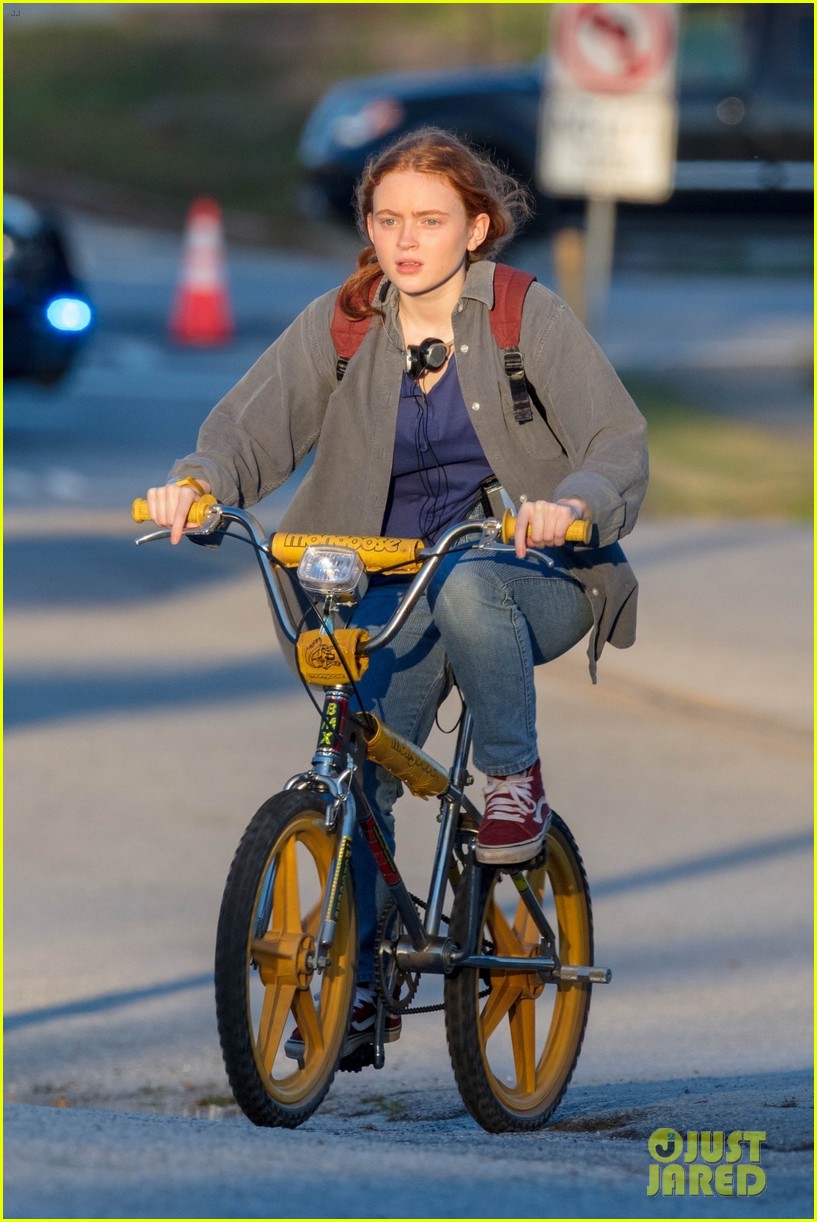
(510, 288)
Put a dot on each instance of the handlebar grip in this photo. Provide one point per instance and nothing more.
(196, 514)
(577, 532)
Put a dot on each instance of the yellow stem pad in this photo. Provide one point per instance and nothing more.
(377, 554)
(319, 663)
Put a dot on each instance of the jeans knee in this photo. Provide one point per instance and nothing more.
(452, 595)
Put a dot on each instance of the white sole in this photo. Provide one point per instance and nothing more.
(508, 854)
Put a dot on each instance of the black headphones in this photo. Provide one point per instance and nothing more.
(430, 354)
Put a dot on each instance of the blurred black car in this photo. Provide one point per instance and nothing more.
(47, 315)
(745, 115)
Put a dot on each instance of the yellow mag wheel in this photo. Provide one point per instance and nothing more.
(514, 1049)
(265, 985)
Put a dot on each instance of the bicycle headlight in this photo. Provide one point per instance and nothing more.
(333, 570)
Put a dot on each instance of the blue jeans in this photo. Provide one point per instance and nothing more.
(494, 618)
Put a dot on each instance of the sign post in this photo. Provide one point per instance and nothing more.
(609, 119)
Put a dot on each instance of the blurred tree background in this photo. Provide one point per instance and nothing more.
(168, 101)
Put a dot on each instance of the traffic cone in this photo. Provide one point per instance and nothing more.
(201, 311)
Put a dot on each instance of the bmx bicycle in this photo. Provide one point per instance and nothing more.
(517, 954)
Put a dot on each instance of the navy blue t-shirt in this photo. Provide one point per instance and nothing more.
(438, 462)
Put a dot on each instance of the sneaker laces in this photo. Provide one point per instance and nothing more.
(511, 798)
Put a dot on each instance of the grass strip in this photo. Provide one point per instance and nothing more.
(706, 465)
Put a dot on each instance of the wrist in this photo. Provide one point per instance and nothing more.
(575, 503)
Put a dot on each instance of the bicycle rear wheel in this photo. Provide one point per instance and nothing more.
(264, 982)
(514, 1050)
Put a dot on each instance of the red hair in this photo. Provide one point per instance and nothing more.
(480, 183)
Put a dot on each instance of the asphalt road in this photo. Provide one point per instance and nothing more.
(149, 713)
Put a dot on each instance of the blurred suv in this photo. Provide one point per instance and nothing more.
(745, 115)
(47, 315)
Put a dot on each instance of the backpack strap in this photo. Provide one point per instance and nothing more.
(510, 289)
(349, 333)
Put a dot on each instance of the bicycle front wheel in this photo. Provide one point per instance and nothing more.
(515, 1044)
(265, 985)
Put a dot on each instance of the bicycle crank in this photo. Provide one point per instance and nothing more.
(395, 986)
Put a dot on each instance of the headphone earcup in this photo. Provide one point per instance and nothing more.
(436, 353)
(412, 358)
(430, 354)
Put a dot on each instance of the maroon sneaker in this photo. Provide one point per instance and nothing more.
(516, 818)
(361, 1027)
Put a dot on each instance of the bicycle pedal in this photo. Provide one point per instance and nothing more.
(361, 1058)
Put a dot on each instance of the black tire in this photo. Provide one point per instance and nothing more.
(514, 1051)
(269, 918)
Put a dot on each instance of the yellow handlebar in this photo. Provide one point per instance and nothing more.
(195, 515)
(398, 555)
(577, 532)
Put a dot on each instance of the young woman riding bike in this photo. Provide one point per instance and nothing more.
(405, 443)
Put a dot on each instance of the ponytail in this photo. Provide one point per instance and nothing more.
(356, 291)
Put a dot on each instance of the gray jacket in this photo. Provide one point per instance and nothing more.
(587, 439)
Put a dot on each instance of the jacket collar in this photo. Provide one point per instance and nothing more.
(479, 282)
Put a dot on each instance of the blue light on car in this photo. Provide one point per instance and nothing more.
(68, 314)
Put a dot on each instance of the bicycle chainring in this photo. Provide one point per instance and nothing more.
(394, 986)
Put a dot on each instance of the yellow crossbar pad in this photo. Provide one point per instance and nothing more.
(377, 554)
(419, 772)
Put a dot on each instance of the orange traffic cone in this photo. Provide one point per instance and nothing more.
(201, 312)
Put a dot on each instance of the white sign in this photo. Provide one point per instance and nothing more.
(609, 118)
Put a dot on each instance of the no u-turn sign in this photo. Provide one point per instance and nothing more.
(609, 117)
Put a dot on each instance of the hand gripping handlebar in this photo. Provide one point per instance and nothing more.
(577, 532)
(196, 514)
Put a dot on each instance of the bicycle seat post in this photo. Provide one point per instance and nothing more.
(449, 815)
